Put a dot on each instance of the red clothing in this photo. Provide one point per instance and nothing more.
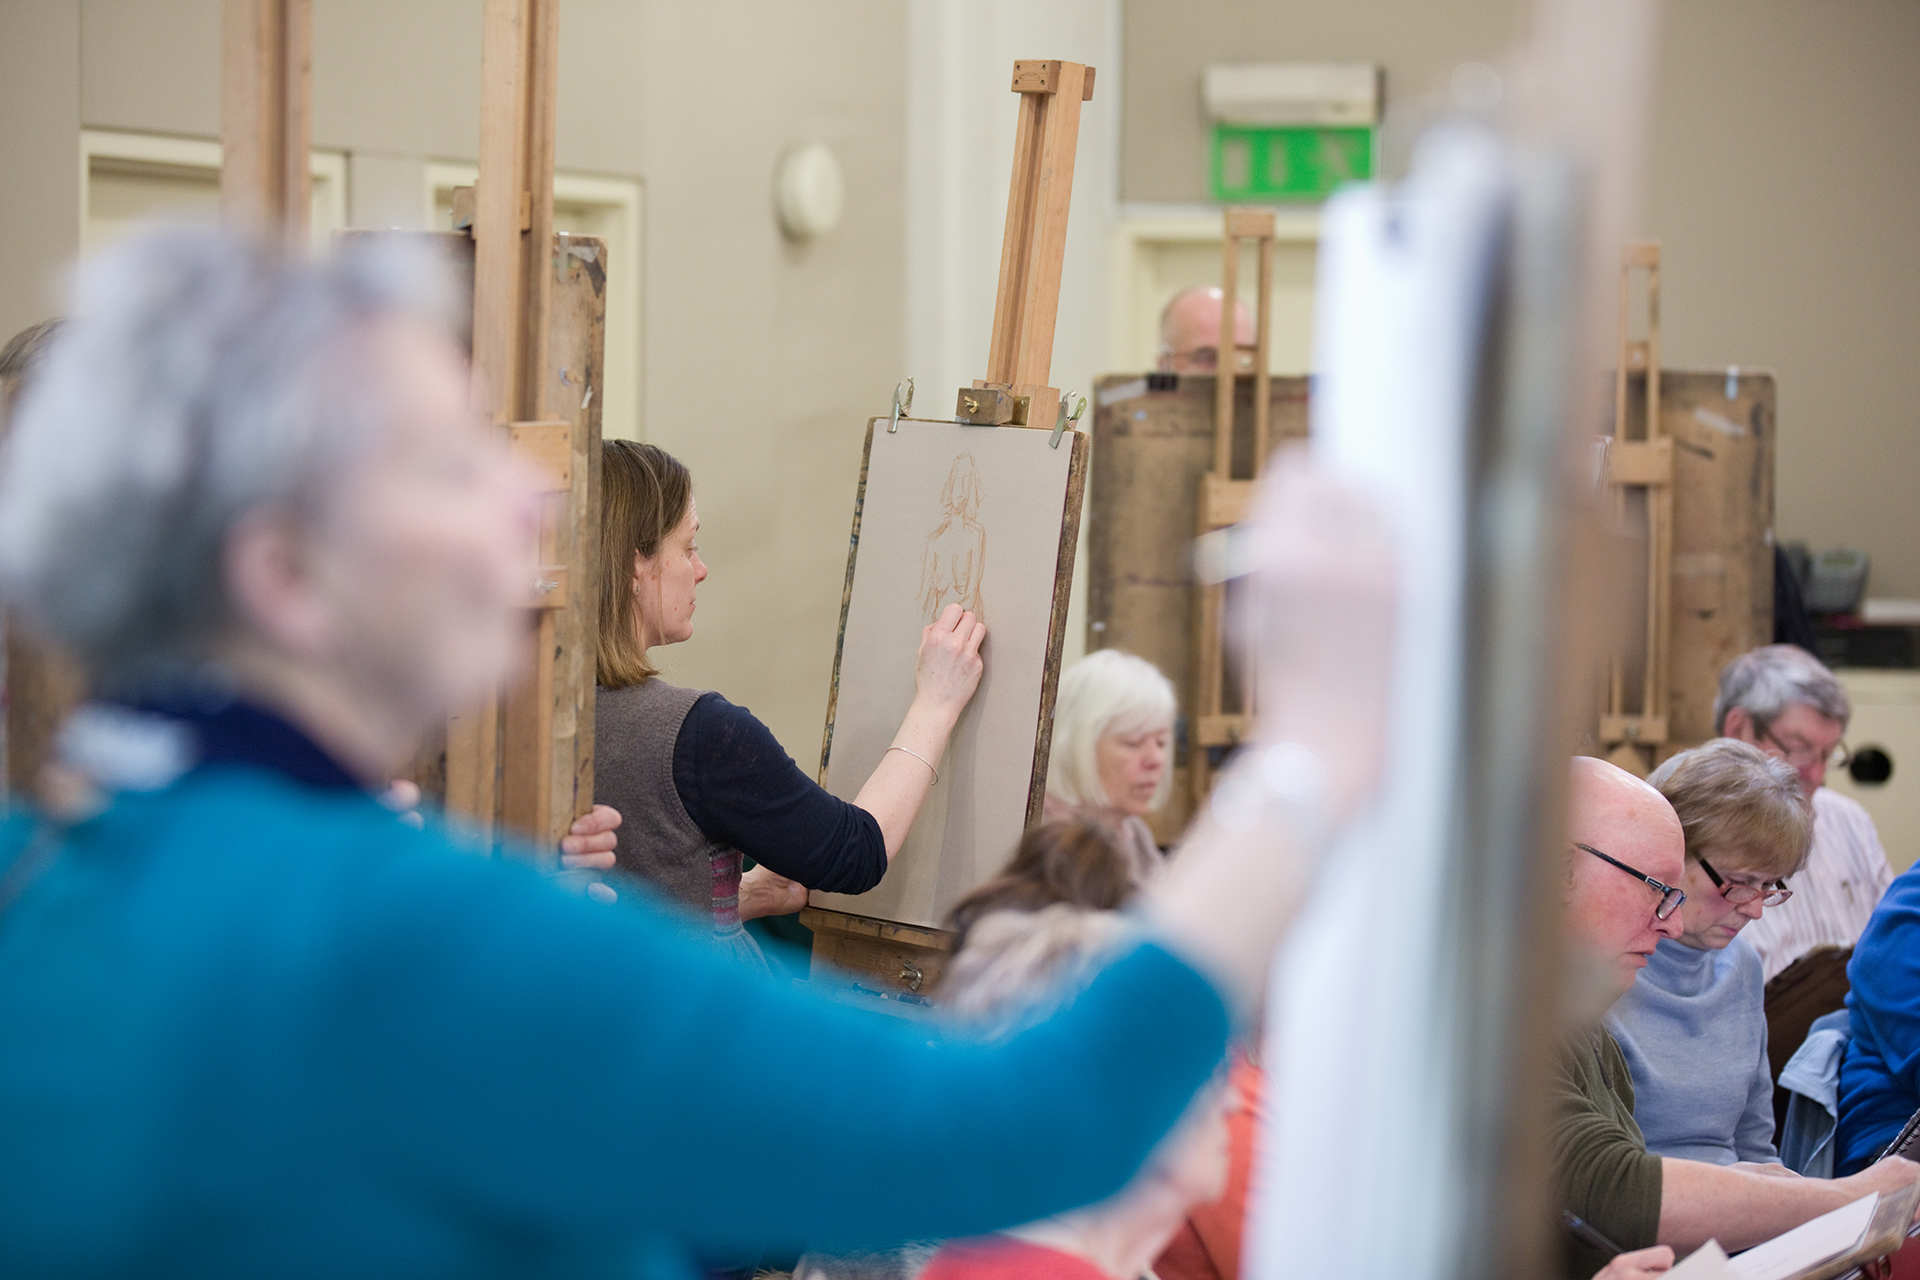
(1004, 1258)
(1207, 1246)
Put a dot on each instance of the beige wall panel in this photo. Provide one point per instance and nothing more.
(152, 65)
(1781, 187)
(39, 155)
(403, 76)
(764, 359)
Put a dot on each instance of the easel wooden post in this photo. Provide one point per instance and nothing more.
(902, 958)
(1223, 499)
(528, 761)
(1020, 357)
(265, 115)
(1632, 739)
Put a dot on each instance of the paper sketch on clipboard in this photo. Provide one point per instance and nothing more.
(955, 559)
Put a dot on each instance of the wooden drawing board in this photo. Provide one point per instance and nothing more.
(1722, 558)
(1153, 440)
(988, 517)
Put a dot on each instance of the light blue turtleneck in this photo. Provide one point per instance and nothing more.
(1694, 1031)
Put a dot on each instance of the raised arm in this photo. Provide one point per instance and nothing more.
(594, 1111)
(1321, 617)
(944, 679)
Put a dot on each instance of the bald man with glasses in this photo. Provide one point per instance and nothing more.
(1625, 858)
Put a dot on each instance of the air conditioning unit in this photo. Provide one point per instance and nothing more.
(1293, 93)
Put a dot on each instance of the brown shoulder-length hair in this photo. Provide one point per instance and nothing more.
(644, 495)
(1074, 861)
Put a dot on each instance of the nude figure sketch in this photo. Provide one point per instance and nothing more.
(956, 555)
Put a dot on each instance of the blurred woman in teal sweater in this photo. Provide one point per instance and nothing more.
(256, 1025)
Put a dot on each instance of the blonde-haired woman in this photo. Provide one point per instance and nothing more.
(1693, 1026)
(1113, 750)
(699, 780)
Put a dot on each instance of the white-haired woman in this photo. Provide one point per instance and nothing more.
(1113, 750)
(257, 1025)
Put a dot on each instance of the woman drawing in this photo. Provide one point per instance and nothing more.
(956, 556)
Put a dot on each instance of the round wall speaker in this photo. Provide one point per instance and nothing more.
(808, 191)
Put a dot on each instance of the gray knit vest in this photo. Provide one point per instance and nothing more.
(634, 730)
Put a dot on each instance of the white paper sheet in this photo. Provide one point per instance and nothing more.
(1810, 1243)
(1708, 1262)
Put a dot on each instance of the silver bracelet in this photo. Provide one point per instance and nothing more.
(922, 759)
(1285, 775)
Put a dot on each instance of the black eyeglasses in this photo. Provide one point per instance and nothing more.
(1770, 895)
(1670, 897)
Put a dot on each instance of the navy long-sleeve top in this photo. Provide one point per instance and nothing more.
(744, 791)
(258, 1026)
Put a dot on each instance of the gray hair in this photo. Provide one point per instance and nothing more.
(1766, 681)
(20, 358)
(202, 377)
(24, 350)
(1018, 967)
(1106, 691)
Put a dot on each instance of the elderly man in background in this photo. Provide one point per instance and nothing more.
(1190, 330)
(1783, 700)
(1626, 852)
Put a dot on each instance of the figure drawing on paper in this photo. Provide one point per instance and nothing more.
(955, 559)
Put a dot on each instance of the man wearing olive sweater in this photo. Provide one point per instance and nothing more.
(1625, 851)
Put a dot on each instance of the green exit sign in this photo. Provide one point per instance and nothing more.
(1288, 162)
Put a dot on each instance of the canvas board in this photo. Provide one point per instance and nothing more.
(987, 517)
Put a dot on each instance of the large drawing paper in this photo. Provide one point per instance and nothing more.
(950, 514)
(1811, 1243)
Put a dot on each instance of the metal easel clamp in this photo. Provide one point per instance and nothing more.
(1064, 421)
(901, 403)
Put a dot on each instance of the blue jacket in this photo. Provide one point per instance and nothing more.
(253, 1028)
(1880, 1075)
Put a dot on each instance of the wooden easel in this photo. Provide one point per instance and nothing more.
(902, 960)
(1632, 739)
(1690, 462)
(266, 74)
(525, 761)
(1224, 499)
(1020, 356)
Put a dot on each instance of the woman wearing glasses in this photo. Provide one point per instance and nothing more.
(1693, 1027)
